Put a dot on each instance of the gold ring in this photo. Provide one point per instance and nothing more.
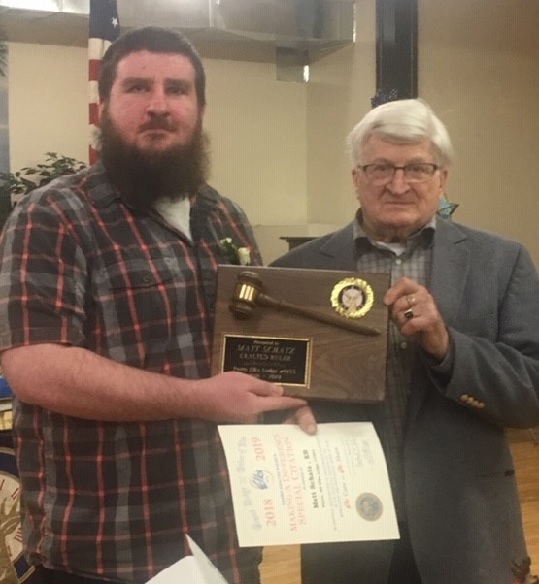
(409, 313)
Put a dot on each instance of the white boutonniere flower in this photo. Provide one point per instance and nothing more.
(237, 256)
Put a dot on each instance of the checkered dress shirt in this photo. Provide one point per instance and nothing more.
(413, 263)
(81, 268)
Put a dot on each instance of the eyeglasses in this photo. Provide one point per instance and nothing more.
(415, 172)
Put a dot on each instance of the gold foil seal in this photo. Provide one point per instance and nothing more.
(352, 297)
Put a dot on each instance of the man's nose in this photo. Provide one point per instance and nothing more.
(158, 103)
(398, 182)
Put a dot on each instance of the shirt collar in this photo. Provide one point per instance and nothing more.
(423, 236)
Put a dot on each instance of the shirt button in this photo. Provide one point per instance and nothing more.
(404, 345)
(146, 279)
(398, 261)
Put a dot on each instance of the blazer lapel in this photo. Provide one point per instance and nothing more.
(449, 271)
(337, 253)
(450, 267)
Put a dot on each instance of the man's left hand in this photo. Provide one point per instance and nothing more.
(413, 310)
(304, 418)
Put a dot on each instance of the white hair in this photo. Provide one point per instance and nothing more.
(407, 121)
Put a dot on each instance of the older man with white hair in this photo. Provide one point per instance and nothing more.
(462, 364)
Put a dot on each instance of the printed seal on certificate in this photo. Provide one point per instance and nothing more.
(322, 334)
(369, 507)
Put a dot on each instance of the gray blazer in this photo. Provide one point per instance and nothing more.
(462, 502)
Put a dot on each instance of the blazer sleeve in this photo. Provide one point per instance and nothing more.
(496, 366)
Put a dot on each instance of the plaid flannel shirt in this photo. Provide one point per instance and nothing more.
(81, 268)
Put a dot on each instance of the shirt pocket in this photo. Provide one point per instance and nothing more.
(135, 274)
(135, 303)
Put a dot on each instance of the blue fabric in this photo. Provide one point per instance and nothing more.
(5, 390)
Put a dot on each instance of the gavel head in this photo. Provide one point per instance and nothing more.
(248, 286)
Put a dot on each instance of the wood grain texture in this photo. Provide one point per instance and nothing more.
(343, 365)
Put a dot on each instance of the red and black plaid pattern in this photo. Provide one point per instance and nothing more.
(81, 268)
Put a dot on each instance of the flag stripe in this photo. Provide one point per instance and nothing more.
(97, 48)
(93, 111)
(93, 69)
(103, 29)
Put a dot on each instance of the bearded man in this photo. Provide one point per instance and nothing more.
(108, 292)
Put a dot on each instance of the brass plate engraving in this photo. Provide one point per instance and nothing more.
(276, 359)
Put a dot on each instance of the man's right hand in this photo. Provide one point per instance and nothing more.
(76, 382)
(236, 397)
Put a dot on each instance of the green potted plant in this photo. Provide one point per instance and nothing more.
(14, 185)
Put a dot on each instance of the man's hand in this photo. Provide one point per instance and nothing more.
(413, 310)
(237, 397)
(304, 418)
(76, 382)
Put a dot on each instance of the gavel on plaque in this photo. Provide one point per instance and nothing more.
(249, 292)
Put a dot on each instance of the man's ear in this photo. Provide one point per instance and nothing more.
(443, 181)
(355, 176)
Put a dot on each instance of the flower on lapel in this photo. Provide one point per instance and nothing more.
(237, 256)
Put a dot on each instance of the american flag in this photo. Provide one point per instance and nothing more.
(104, 28)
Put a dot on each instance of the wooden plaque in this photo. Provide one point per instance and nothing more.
(311, 358)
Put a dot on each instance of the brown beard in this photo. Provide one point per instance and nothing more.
(143, 177)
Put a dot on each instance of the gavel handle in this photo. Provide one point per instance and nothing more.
(311, 313)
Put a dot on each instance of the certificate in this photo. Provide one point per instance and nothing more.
(291, 488)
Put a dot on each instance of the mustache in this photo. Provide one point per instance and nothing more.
(159, 124)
